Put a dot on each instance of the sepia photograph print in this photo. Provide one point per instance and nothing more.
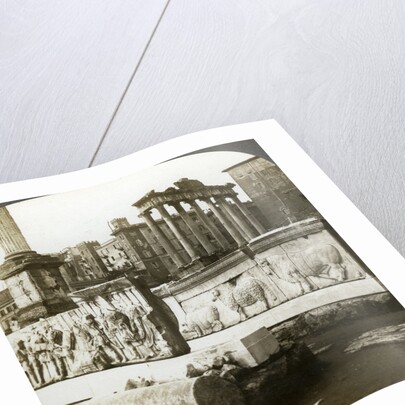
(207, 279)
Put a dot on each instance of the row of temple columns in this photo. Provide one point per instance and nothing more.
(236, 219)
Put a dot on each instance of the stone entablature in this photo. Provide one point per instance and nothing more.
(286, 233)
(183, 193)
(232, 215)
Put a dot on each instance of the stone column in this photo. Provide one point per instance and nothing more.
(249, 216)
(11, 239)
(178, 233)
(216, 233)
(163, 239)
(226, 223)
(244, 227)
(208, 246)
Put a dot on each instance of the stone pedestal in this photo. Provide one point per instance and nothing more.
(36, 285)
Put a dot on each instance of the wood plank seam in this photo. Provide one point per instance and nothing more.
(138, 64)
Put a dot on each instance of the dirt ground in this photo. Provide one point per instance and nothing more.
(347, 377)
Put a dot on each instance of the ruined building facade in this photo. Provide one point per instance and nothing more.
(276, 197)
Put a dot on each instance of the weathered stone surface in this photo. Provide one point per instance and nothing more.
(299, 356)
(333, 314)
(206, 390)
(218, 362)
(196, 370)
(215, 373)
(272, 381)
(261, 344)
(231, 369)
(139, 382)
(388, 334)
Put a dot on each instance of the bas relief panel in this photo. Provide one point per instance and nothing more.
(96, 336)
(278, 274)
(23, 288)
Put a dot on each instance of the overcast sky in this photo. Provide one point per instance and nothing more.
(52, 223)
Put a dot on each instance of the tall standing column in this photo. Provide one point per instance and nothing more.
(178, 233)
(244, 228)
(216, 233)
(11, 239)
(249, 216)
(162, 239)
(226, 223)
(208, 246)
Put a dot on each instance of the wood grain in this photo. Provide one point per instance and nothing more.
(330, 72)
(63, 68)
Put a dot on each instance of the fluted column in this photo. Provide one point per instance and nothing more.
(178, 233)
(228, 225)
(208, 246)
(162, 239)
(11, 239)
(249, 216)
(210, 225)
(243, 226)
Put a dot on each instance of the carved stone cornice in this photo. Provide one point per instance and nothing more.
(26, 262)
(119, 284)
(204, 274)
(285, 234)
(177, 195)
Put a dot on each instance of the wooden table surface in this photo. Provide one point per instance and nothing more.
(85, 82)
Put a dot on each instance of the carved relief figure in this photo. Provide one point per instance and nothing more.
(104, 350)
(283, 268)
(119, 331)
(243, 294)
(24, 290)
(47, 365)
(145, 331)
(81, 349)
(25, 360)
(325, 262)
(203, 321)
(60, 344)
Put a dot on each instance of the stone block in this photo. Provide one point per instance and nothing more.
(255, 336)
(261, 344)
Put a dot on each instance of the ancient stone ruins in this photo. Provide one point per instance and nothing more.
(200, 262)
